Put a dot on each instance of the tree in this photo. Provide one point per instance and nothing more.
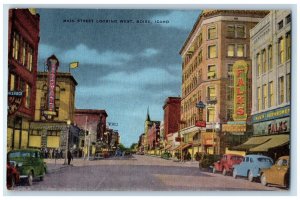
(133, 146)
(122, 147)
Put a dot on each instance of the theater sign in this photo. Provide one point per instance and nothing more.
(240, 70)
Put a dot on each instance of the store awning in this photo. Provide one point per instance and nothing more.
(251, 143)
(182, 147)
(275, 141)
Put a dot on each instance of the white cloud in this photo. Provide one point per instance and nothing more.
(179, 19)
(84, 55)
(149, 52)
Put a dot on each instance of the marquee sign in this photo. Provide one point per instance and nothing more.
(240, 70)
(52, 63)
(234, 127)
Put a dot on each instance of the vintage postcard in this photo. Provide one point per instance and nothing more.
(148, 100)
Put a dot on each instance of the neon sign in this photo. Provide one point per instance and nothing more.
(240, 70)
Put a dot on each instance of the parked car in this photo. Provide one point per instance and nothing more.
(12, 176)
(251, 166)
(166, 155)
(226, 163)
(29, 163)
(278, 174)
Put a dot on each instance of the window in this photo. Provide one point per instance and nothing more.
(240, 50)
(258, 64)
(281, 90)
(230, 50)
(281, 50)
(271, 94)
(258, 99)
(230, 83)
(212, 33)
(210, 114)
(211, 93)
(270, 59)
(240, 31)
(29, 59)
(231, 31)
(280, 25)
(288, 19)
(212, 51)
(199, 39)
(200, 57)
(27, 97)
(265, 97)
(24, 46)
(211, 74)
(264, 61)
(229, 114)
(16, 46)
(288, 46)
(12, 84)
(288, 87)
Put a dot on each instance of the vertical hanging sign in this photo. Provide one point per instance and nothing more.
(52, 63)
(240, 70)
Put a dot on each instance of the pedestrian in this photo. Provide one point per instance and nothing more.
(61, 154)
(50, 154)
(53, 153)
(69, 157)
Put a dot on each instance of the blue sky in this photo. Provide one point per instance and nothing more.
(124, 68)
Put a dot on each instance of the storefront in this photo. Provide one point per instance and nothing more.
(271, 134)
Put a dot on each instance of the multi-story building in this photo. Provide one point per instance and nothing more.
(54, 132)
(23, 40)
(141, 143)
(93, 124)
(271, 85)
(218, 39)
(147, 126)
(154, 137)
(171, 116)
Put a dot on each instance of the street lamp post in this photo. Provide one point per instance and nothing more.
(67, 141)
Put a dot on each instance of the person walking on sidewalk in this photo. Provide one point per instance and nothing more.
(70, 157)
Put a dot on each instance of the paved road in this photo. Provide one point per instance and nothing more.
(139, 173)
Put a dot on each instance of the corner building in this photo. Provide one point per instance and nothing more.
(271, 85)
(218, 39)
(23, 40)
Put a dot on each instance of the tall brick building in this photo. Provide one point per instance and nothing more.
(171, 116)
(23, 40)
(218, 39)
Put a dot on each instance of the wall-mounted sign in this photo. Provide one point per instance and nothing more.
(234, 127)
(276, 126)
(273, 114)
(240, 70)
(200, 123)
(200, 104)
(52, 63)
(14, 101)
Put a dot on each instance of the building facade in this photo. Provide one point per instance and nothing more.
(271, 85)
(154, 138)
(218, 39)
(93, 124)
(171, 115)
(23, 40)
(59, 131)
(147, 126)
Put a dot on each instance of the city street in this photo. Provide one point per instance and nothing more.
(137, 173)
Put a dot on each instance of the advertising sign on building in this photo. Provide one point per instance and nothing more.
(14, 101)
(240, 70)
(234, 127)
(52, 63)
(200, 123)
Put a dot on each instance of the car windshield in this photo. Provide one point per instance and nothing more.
(264, 160)
(19, 154)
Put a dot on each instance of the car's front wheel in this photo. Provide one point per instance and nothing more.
(263, 180)
(224, 172)
(250, 176)
(234, 173)
(43, 175)
(30, 179)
